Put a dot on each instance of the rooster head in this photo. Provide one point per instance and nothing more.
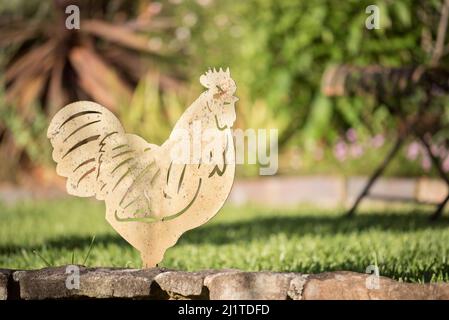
(219, 82)
(221, 88)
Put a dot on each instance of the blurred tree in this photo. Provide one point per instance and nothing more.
(52, 64)
(278, 51)
(46, 65)
(294, 41)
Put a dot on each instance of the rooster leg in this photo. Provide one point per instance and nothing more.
(149, 261)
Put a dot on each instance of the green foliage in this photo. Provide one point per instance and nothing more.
(278, 51)
(402, 241)
(29, 135)
(152, 113)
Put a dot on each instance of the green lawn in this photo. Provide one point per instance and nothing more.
(403, 243)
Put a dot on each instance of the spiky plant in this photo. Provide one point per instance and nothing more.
(45, 65)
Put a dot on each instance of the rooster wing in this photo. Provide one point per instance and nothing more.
(99, 159)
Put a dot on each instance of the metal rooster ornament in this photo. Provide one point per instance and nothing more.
(153, 194)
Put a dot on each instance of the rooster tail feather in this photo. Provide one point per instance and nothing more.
(80, 134)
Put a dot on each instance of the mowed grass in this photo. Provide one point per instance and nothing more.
(403, 243)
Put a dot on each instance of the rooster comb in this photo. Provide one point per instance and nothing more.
(212, 77)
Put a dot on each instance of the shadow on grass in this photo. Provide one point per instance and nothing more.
(221, 233)
(67, 243)
(257, 228)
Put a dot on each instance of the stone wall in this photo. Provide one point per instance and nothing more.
(77, 282)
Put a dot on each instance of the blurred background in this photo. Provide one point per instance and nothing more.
(345, 98)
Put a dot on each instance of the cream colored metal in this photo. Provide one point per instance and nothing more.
(153, 194)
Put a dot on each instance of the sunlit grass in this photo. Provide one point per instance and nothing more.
(403, 243)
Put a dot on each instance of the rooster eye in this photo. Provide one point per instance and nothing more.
(220, 89)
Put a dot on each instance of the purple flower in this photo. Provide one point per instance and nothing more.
(377, 141)
(356, 150)
(340, 150)
(351, 135)
(413, 150)
(446, 164)
(426, 164)
(442, 152)
(435, 149)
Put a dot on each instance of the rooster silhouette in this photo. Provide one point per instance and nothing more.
(152, 196)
